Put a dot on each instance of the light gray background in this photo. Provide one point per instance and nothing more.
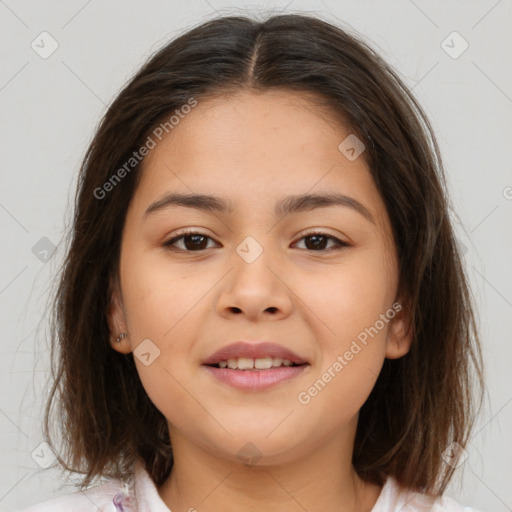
(50, 108)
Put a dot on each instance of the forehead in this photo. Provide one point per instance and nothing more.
(281, 124)
(253, 149)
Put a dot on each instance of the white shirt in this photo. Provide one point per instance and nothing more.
(112, 496)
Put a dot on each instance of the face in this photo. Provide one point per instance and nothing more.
(319, 280)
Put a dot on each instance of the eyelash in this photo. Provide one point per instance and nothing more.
(169, 243)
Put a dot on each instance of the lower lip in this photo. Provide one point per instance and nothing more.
(256, 380)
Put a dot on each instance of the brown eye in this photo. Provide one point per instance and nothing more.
(192, 242)
(318, 241)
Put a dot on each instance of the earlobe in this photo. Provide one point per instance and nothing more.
(119, 340)
(400, 335)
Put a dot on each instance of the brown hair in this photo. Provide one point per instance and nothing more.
(421, 402)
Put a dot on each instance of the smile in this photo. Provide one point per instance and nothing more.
(249, 363)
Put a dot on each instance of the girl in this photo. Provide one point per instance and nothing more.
(263, 306)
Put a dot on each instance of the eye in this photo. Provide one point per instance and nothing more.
(192, 241)
(318, 241)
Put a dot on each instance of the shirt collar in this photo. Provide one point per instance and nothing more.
(147, 498)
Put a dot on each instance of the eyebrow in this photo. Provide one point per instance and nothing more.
(285, 206)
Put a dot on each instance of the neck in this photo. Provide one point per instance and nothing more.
(322, 479)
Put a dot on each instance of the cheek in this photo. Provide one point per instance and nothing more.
(164, 305)
(354, 303)
(158, 295)
(350, 305)
(350, 296)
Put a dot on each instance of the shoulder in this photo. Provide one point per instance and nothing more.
(446, 504)
(138, 493)
(394, 498)
(100, 498)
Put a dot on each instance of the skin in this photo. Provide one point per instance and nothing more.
(253, 149)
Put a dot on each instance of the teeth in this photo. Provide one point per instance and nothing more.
(263, 364)
(248, 363)
(243, 363)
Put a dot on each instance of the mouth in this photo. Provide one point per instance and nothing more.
(251, 364)
(254, 367)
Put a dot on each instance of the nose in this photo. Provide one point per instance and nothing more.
(256, 285)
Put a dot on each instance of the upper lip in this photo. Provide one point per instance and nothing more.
(254, 350)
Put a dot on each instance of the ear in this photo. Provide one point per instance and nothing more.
(400, 332)
(117, 319)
